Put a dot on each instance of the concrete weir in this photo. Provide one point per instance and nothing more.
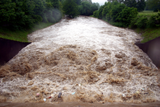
(151, 48)
(83, 60)
(9, 48)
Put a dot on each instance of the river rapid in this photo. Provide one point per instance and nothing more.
(80, 60)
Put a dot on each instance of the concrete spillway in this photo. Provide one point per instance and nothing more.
(86, 60)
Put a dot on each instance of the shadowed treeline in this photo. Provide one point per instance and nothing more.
(9, 48)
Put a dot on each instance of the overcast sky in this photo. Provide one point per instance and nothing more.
(101, 2)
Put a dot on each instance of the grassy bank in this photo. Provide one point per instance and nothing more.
(148, 33)
(142, 25)
(147, 13)
(21, 35)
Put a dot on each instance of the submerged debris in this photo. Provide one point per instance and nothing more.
(59, 95)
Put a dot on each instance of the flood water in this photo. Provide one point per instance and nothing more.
(80, 60)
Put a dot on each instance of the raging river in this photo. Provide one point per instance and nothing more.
(83, 60)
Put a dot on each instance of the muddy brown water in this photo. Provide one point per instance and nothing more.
(85, 59)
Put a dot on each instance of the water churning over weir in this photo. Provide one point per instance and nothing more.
(86, 60)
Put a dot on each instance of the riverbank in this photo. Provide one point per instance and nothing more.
(21, 35)
(148, 33)
(146, 23)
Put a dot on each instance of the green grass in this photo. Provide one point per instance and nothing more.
(149, 33)
(147, 13)
(21, 35)
(14, 35)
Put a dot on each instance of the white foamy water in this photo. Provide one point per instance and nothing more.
(87, 60)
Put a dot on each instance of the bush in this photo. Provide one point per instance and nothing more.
(133, 23)
(100, 11)
(126, 15)
(70, 8)
(142, 22)
(106, 9)
(96, 14)
(154, 21)
(155, 10)
(116, 11)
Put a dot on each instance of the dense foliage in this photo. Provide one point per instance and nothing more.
(23, 14)
(87, 8)
(153, 5)
(139, 4)
(116, 12)
(70, 8)
(145, 22)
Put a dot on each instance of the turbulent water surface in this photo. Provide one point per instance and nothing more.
(85, 60)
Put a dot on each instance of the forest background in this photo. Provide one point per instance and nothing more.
(18, 18)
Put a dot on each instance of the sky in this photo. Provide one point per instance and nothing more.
(101, 2)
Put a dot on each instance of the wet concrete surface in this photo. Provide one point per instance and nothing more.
(9, 48)
(157, 104)
(152, 49)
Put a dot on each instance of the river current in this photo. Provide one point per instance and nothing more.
(80, 60)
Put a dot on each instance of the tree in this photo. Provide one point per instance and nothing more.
(87, 8)
(141, 4)
(7, 12)
(15, 15)
(78, 2)
(23, 14)
(130, 3)
(70, 8)
(153, 4)
(90, 1)
(126, 15)
(96, 13)
(116, 11)
(94, 7)
(100, 12)
(55, 3)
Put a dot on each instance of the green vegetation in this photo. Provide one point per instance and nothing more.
(23, 14)
(147, 25)
(21, 35)
(139, 4)
(16, 35)
(147, 14)
(70, 8)
(153, 5)
(125, 15)
(87, 8)
(116, 13)
(21, 17)
(149, 33)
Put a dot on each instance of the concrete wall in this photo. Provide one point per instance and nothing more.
(9, 48)
(152, 48)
